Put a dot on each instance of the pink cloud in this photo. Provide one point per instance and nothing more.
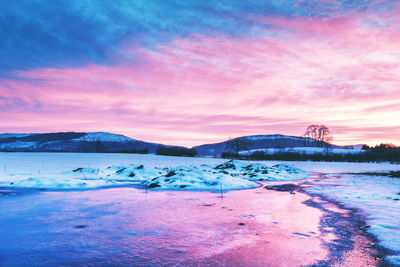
(205, 89)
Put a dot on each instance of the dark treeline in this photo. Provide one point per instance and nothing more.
(99, 147)
(176, 151)
(94, 147)
(381, 153)
(132, 151)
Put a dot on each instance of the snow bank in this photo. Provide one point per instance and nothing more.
(60, 183)
(378, 196)
(229, 175)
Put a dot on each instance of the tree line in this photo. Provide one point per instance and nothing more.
(176, 151)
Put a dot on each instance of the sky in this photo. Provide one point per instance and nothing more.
(194, 72)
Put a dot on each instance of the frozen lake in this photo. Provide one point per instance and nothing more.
(126, 226)
(257, 227)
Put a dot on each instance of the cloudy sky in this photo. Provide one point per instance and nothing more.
(191, 72)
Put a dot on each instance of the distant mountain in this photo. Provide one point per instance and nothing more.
(109, 142)
(257, 142)
(73, 142)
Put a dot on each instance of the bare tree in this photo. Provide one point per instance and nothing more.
(318, 134)
(236, 145)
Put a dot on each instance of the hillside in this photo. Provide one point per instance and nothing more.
(72, 142)
(109, 142)
(261, 142)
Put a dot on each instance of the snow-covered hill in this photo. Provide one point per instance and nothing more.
(72, 142)
(270, 143)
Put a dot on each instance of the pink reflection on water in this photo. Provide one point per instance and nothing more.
(198, 227)
(126, 226)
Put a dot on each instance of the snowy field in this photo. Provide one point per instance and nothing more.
(377, 196)
(58, 166)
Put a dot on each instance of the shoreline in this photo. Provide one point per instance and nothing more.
(350, 227)
(349, 224)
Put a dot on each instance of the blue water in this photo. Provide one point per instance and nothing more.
(129, 227)
(126, 226)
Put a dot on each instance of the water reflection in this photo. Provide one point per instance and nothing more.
(126, 226)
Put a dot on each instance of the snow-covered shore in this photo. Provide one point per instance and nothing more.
(229, 175)
(378, 197)
(56, 171)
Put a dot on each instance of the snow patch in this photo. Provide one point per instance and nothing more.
(105, 137)
(135, 172)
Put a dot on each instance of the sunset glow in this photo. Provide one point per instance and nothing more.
(189, 73)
